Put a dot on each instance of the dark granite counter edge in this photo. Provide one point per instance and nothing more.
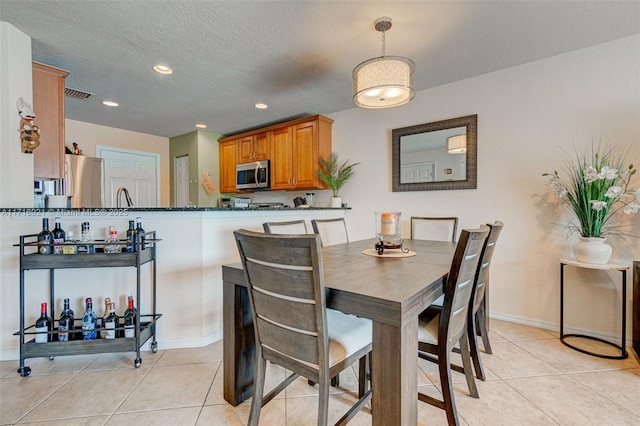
(162, 209)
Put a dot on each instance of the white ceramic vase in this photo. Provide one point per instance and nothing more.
(592, 250)
(336, 202)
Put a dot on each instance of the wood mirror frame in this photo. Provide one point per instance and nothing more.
(471, 124)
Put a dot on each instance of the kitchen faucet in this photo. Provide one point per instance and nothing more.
(126, 196)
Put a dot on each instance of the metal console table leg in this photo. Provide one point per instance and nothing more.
(610, 267)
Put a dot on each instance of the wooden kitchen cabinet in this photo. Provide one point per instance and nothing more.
(228, 161)
(293, 147)
(295, 153)
(254, 147)
(48, 105)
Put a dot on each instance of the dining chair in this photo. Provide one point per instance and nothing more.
(438, 336)
(292, 326)
(434, 228)
(289, 227)
(331, 231)
(477, 317)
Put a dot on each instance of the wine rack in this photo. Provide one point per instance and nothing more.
(145, 328)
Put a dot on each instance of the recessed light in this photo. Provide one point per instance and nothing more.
(201, 126)
(162, 69)
(110, 103)
(261, 106)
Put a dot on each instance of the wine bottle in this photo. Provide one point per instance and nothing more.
(131, 237)
(111, 322)
(44, 326)
(140, 232)
(89, 320)
(59, 236)
(107, 307)
(111, 243)
(66, 325)
(44, 238)
(130, 319)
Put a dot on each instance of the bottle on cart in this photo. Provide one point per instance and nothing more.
(89, 321)
(130, 319)
(85, 245)
(107, 307)
(140, 232)
(45, 238)
(59, 236)
(70, 248)
(131, 237)
(44, 326)
(66, 324)
(111, 323)
(111, 244)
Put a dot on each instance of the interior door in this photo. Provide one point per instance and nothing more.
(136, 171)
(182, 181)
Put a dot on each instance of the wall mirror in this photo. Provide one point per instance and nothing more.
(435, 156)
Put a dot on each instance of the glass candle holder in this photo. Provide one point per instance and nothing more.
(388, 228)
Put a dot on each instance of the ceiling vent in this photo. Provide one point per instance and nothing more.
(77, 94)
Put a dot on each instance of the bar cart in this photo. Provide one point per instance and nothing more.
(145, 327)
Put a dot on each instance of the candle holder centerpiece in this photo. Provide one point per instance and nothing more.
(388, 232)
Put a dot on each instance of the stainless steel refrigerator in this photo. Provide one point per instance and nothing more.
(83, 180)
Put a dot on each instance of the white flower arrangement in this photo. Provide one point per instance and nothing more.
(597, 187)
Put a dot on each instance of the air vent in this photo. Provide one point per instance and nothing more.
(77, 94)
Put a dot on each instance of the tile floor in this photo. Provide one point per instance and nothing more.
(532, 380)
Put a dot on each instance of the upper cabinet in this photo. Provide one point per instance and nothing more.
(293, 148)
(254, 147)
(228, 161)
(48, 105)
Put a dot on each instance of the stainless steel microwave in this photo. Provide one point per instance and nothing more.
(254, 175)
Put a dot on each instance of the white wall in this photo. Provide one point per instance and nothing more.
(16, 168)
(528, 116)
(89, 135)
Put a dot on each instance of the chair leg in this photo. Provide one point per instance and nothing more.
(466, 363)
(444, 359)
(363, 375)
(475, 352)
(258, 390)
(482, 331)
(335, 382)
(323, 401)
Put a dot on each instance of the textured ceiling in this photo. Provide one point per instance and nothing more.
(296, 56)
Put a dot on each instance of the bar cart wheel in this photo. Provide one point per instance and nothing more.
(154, 347)
(24, 371)
(138, 362)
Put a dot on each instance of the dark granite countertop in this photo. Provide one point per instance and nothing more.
(160, 209)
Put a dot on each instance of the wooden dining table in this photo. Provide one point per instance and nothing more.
(390, 291)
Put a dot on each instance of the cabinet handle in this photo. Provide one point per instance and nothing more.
(294, 181)
(289, 181)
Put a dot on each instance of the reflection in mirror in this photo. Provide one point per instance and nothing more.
(435, 156)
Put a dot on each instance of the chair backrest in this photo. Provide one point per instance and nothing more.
(482, 276)
(434, 228)
(331, 231)
(286, 228)
(286, 290)
(459, 286)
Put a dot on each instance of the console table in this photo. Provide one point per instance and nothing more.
(608, 267)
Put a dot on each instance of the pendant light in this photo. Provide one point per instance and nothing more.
(457, 144)
(385, 81)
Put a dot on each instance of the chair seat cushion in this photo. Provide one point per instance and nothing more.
(347, 335)
(428, 330)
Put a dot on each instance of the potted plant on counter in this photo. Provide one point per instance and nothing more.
(335, 175)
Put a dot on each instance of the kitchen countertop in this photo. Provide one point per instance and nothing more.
(161, 209)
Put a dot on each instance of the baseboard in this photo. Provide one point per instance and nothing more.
(556, 327)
